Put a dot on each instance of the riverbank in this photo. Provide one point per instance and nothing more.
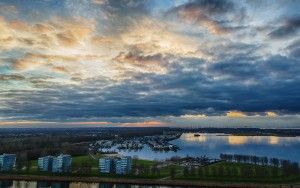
(145, 181)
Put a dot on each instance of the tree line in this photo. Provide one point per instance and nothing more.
(243, 171)
(245, 166)
(288, 168)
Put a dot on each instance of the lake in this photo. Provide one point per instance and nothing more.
(34, 184)
(212, 145)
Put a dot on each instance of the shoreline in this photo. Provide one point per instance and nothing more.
(145, 181)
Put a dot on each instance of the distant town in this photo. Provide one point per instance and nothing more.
(155, 142)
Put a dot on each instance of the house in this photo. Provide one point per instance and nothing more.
(45, 163)
(62, 164)
(106, 165)
(7, 162)
(123, 165)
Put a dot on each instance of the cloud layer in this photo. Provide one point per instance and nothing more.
(149, 62)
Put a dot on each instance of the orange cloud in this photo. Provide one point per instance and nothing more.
(134, 124)
(5, 33)
(100, 40)
(66, 39)
(235, 114)
(99, 2)
(43, 28)
(23, 122)
(89, 123)
(31, 60)
(271, 114)
(154, 37)
(144, 124)
(73, 47)
(195, 15)
(19, 25)
(61, 33)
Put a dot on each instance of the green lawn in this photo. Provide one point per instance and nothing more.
(144, 162)
(211, 171)
(77, 161)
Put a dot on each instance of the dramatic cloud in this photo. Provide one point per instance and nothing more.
(206, 13)
(294, 49)
(146, 64)
(150, 63)
(152, 37)
(289, 28)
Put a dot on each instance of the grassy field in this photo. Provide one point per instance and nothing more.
(93, 161)
(77, 161)
(164, 172)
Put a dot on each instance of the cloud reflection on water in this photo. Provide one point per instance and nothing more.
(191, 138)
(238, 140)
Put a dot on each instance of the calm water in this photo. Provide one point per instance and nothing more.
(213, 144)
(34, 184)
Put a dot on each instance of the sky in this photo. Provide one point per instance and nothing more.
(190, 63)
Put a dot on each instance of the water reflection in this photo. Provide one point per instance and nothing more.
(191, 138)
(239, 140)
(273, 140)
(34, 184)
(214, 144)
